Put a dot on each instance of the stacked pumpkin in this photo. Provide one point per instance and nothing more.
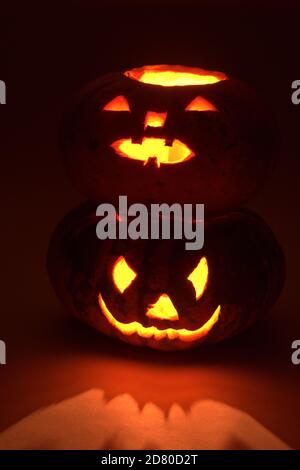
(168, 134)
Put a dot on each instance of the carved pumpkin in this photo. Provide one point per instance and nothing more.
(155, 293)
(182, 134)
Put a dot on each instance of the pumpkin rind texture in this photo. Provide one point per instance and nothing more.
(120, 130)
(243, 276)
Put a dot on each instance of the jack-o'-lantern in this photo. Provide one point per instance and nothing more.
(181, 134)
(155, 293)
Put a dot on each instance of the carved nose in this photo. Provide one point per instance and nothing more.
(153, 119)
(163, 309)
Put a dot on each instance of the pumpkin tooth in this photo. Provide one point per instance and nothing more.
(172, 334)
(137, 140)
(168, 142)
(159, 334)
(152, 162)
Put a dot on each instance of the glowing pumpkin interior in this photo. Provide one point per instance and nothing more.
(163, 309)
(174, 75)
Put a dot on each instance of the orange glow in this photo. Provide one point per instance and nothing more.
(122, 274)
(163, 309)
(119, 103)
(182, 334)
(200, 104)
(174, 75)
(152, 147)
(199, 277)
(153, 119)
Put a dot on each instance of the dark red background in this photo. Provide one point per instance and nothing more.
(47, 52)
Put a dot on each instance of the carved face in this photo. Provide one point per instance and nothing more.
(160, 317)
(155, 293)
(155, 145)
(181, 134)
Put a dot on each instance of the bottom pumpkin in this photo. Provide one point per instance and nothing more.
(157, 294)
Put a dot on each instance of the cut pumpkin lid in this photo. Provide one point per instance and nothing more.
(174, 75)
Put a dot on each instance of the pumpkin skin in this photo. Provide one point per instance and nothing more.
(245, 277)
(233, 146)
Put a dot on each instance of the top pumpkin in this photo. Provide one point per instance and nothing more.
(168, 133)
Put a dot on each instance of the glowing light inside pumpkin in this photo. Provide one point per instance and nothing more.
(163, 309)
(182, 334)
(153, 119)
(174, 75)
(200, 104)
(152, 147)
(119, 103)
(199, 277)
(122, 274)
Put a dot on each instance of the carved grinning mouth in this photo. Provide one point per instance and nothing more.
(135, 327)
(153, 148)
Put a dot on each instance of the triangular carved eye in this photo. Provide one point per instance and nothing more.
(200, 104)
(119, 103)
(199, 277)
(122, 274)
